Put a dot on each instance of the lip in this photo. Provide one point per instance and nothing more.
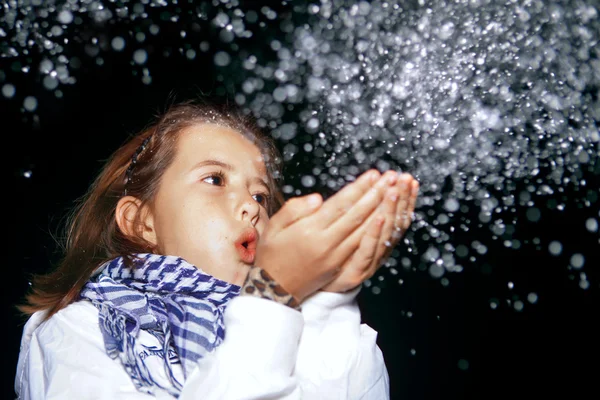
(249, 236)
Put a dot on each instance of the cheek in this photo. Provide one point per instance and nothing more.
(206, 243)
(214, 242)
(212, 235)
(263, 223)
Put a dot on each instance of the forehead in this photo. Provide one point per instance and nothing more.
(212, 141)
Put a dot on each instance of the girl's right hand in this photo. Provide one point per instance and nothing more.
(306, 242)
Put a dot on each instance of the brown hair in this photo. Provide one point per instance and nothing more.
(92, 234)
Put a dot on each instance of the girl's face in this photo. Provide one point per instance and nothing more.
(215, 189)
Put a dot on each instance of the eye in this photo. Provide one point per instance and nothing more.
(219, 180)
(264, 199)
(219, 177)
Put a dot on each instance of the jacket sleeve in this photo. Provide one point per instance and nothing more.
(338, 357)
(256, 359)
(65, 358)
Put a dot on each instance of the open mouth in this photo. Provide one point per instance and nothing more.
(246, 245)
(246, 253)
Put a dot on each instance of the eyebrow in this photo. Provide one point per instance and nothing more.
(228, 167)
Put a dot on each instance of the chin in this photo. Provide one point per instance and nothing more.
(240, 275)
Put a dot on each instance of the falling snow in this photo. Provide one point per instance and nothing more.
(472, 98)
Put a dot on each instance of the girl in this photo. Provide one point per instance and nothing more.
(185, 275)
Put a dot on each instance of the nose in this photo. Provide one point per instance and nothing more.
(249, 210)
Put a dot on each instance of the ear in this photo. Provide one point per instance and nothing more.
(127, 210)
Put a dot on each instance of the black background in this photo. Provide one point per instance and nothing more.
(549, 347)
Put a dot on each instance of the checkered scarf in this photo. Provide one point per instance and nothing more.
(166, 296)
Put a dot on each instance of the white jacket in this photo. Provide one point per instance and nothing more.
(270, 351)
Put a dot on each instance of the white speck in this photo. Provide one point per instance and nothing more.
(65, 17)
(533, 214)
(140, 56)
(591, 225)
(118, 43)
(555, 248)
(518, 306)
(451, 205)
(577, 260)
(312, 124)
(222, 59)
(190, 54)
(308, 181)
(50, 82)
(287, 189)
(436, 270)
(221, 20)
(532, 298)
(46, 66)
(446, 31)
(8, 90)
(30, 103)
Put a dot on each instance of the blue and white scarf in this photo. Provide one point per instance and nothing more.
(173, 300)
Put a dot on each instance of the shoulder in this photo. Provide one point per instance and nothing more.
(71, 330)
(77, 320)
(49, 345)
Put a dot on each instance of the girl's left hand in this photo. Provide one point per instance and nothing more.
(379, 237)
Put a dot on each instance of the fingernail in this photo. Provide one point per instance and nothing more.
(391, 180)
(313, 201)
(373, 176)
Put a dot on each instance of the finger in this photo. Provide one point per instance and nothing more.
(386, 243)
(294, 210)
(342, 201)
(402, 209)
(412, 200)
(362, 259)
(352, 242)
(361, 210)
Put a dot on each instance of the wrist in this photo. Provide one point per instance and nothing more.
(336, 287)
(325, 301)
(260, 284)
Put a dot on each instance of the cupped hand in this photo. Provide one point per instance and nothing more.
(380, 233)
(304, 246)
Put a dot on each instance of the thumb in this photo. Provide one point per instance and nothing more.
(296, 209)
